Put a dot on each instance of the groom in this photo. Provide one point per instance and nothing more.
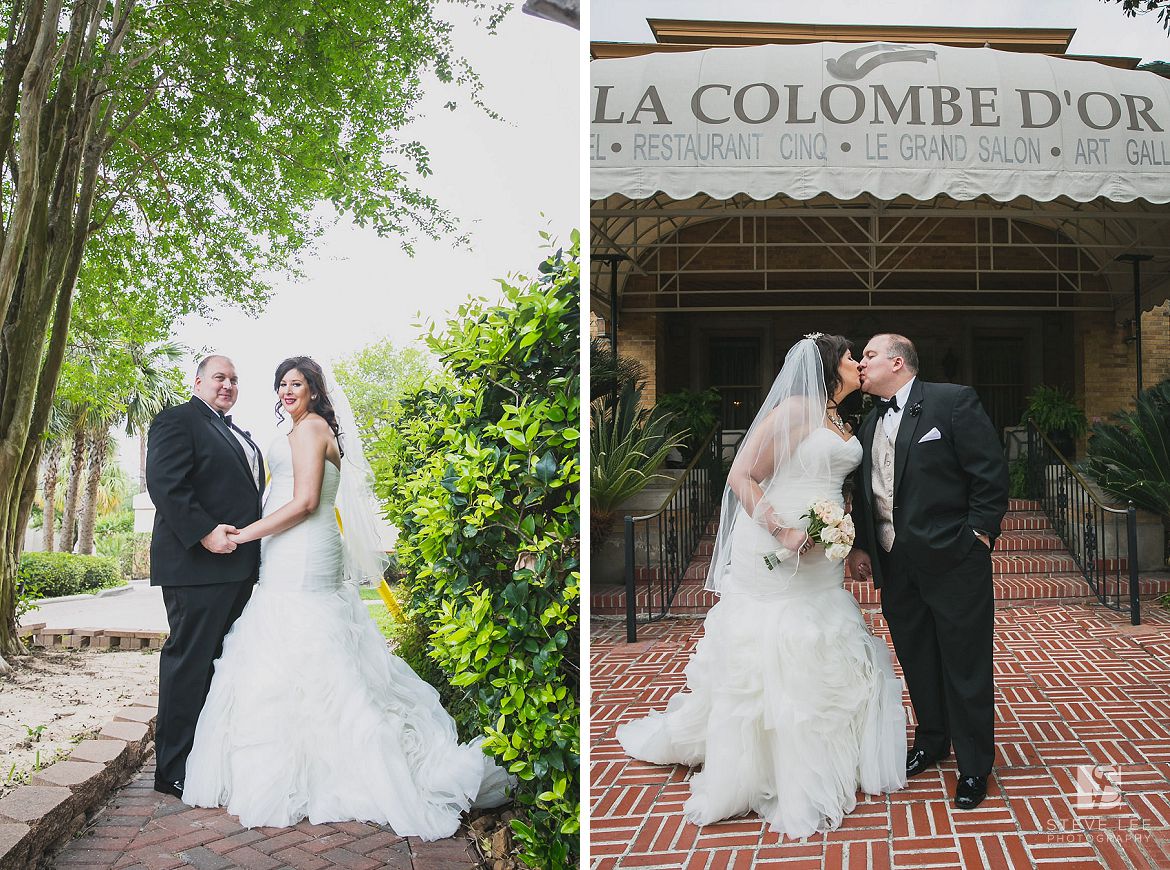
(933, 491)
(206, 478)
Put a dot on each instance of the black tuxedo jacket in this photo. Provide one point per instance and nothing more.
(198, 477)
(944, 487)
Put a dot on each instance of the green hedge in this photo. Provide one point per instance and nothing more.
(52, 575)
(481, 476)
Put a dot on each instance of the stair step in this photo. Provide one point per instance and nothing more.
(693, 599)
(1025, 521)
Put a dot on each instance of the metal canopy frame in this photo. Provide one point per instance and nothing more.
(1075, 245)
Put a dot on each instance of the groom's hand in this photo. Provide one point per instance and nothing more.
(859, 564)
(217, 540)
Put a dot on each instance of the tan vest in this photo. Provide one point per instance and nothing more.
(882, 456)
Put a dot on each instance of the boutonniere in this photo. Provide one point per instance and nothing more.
(916, 409)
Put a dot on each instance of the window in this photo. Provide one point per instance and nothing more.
(735, 373)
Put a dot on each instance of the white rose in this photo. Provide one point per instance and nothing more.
(831, 535)
(824, 510)
(838, 551)
(846, 525)
(835, 514)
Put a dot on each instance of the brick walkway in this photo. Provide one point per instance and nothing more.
(1078, 691)
(141, 829)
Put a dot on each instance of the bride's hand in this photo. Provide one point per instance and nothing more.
(795, 540)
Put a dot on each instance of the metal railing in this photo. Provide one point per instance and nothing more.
(660, 546)
(1102, 540)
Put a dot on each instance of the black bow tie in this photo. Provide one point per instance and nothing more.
(227, 418)
(890, 404)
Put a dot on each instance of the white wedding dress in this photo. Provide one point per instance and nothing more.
(311, 716)
(791, 704)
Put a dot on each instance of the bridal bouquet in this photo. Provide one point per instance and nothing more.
(829, 526)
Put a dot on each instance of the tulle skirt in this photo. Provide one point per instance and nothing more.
(310, 716)
(790, 707)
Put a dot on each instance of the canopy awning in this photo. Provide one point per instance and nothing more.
(883, 119)
(684, 137)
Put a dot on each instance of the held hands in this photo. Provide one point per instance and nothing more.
(859, 564)
(218, 540)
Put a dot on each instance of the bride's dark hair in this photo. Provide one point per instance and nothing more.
(319, 402)
(832, 348)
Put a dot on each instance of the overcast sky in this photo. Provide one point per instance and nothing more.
(497, 177)
(1101, 27)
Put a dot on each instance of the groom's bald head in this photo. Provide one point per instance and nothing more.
(901, 346)
(887, 363)
(216, 382)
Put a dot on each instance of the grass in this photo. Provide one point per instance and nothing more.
(382, 619)
(369, 593)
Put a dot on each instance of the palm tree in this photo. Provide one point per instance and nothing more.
(60, 424)
(99, 447)
(73, 485)
(158, 384)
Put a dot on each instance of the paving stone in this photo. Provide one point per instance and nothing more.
(204, 859)
(33, 803)
(131, 732)
(13, 844)
(98, 751)
(145, 715)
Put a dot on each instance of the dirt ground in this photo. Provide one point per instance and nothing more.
(72, 694)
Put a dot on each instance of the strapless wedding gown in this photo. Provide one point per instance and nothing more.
(311, 716)
(791, 704)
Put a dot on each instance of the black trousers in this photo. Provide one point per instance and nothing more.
(943, 628)
(199, 617)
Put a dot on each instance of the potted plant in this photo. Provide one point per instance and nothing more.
(1055, 414)
(695, 413)
(1130, 456)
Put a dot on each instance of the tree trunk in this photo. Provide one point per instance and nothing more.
(141, 462)
(72, 490)
(56, 110)
(49, 491)
(89, 504)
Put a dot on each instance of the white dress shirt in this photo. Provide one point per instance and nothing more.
(892, 419)
(249, 450)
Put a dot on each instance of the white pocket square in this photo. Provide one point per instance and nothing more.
(932, 435)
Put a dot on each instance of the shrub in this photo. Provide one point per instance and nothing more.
(1130, 455)
(694, 414)
(52, 575)
(481, 476)
(628, 444)
(120, 522)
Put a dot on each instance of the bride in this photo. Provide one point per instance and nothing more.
(309, 715)
(791, 704)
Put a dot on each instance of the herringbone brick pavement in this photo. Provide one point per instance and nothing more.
(1082, 776)
(141, 829)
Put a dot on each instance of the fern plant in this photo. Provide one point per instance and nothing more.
(628, 444)
(1130, 455)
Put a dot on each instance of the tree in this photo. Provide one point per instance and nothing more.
(60, 427)
(158, 384)
(162, 155)
(377, 376)
(1133, 8)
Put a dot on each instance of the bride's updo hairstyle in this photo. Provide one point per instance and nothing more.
(318, 396)
(832, 348)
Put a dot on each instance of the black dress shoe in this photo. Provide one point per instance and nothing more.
(917, 760)
(172, 788)
(970, 792)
